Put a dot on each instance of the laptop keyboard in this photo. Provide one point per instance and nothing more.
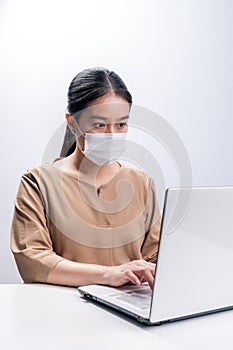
(138, 298)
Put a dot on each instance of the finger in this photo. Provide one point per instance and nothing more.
(139, 266)
(131, 277)
(139, 270)
(144, 275)
(151, 264)
(148, 277)
(145, 264)
(142, 261)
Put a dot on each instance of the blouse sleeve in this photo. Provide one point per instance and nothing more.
(30, 239)
(150, 245)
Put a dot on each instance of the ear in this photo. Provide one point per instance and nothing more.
(71, 122)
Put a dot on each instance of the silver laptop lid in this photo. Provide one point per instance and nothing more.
(195, 266)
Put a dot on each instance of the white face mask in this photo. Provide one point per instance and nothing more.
(104, 148)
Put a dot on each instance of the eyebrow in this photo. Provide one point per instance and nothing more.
(105, 118)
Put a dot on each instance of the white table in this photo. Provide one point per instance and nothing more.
(51, 317)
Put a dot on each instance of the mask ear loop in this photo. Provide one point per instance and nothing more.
(68, 115)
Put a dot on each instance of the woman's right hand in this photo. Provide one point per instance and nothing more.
(135, 272)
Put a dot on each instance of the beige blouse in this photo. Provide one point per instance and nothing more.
(59, 216)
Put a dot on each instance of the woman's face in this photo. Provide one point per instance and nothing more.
(108, 114)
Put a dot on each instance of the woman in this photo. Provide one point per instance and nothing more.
(86, 218)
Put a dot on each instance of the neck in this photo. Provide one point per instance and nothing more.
(84, 168)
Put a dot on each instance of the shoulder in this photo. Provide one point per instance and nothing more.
(34, 173)
(38, 173)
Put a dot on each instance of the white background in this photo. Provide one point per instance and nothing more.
(175, 56)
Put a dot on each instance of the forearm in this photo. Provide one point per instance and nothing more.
(71, 273)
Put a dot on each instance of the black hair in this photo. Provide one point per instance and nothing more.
(87, 86)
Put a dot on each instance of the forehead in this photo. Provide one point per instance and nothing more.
(109, 111)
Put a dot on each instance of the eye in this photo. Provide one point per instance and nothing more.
(99, 125)
(122, 125)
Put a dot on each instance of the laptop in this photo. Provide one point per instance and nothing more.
(194, 270)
